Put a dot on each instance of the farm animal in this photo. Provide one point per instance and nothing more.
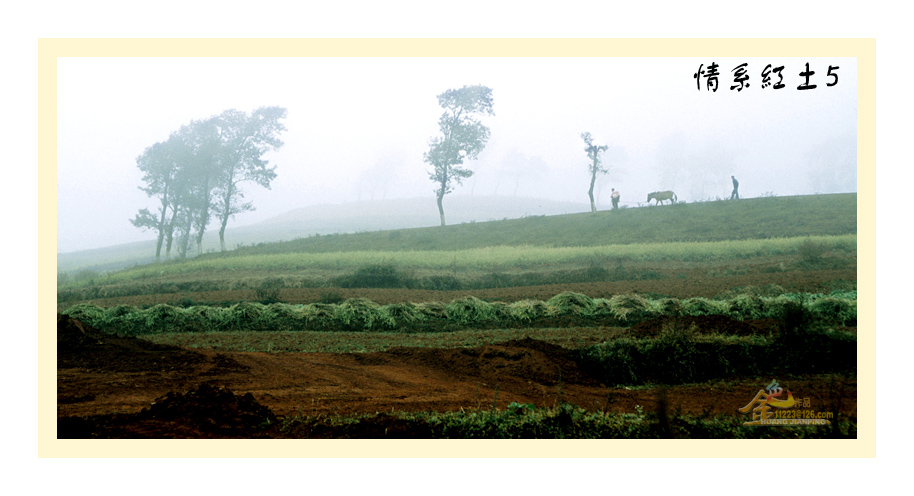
(661, 196)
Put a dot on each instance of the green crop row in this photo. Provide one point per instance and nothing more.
(372, 276)
(486, 259)
(360, 314)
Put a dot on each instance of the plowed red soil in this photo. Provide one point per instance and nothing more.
(123, 387)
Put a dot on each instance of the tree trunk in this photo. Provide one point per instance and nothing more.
(226, 213)
(441, 208)
(162, 226)
(199, 237)
(159, 244)
(593, 205)
(222, 237)
(169, 238)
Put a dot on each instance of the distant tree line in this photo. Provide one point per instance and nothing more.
(196, 175)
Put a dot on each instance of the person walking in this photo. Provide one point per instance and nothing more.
(735, 194)
(615, 198)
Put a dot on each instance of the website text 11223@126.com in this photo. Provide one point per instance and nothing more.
(802, 414)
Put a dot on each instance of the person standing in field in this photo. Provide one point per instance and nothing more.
(735, 194)
(615, 198)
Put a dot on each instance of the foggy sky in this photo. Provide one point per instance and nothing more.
(357, 129)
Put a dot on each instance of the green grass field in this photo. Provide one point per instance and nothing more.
(755, 218)
(694, 233)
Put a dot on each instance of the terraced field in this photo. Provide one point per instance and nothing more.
(659, 341)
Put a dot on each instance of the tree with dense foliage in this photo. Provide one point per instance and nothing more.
(196, 175)
(161, 164)
(245, 139)
(595, 167)
(463, 137)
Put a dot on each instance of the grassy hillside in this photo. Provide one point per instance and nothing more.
(363, 216)
(756, 218)
(786, 233)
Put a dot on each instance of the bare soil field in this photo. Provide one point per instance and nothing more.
(124, 387)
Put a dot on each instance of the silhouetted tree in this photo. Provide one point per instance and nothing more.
(593, 152)
(245, 139)
(196, 174)
(161, 165)
(462, 137)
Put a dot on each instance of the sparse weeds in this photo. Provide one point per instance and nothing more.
(376, 276)
(268, 290)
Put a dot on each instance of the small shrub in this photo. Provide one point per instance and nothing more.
(811, 251)
(376, 276)
(268, 290)
(495, 280)
(594, 273)
(330, 298)
(834, 310)
(674, 354)
(185, 302)
(614, 362)
(85, 276)
(747, 307)
(442, 283)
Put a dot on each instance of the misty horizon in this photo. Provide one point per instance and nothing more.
(357, 130)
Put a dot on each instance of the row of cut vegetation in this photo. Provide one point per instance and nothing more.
(359, 314)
